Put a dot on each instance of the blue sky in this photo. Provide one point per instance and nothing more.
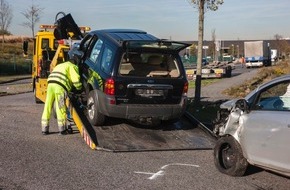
(175, 19)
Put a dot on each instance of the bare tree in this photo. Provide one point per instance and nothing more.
(202, 6)
(282, 45)
(32, 14)
(5, 17)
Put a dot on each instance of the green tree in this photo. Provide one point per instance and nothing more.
(5, 18)
(202, 6)
(32, 15)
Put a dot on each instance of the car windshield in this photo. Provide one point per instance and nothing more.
(149, 65)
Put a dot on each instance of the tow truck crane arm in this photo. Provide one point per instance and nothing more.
(65, 26)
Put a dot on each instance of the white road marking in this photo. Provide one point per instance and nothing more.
(153, 175)
(162, 172)
(179, 164)
(159, 173)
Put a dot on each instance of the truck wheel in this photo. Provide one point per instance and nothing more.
(228, 157)
(37, 100)
(228, 71)
(94, 116)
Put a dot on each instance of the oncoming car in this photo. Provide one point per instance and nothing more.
(131, 74)
(256, 131)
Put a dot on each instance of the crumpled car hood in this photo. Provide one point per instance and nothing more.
(228, 104)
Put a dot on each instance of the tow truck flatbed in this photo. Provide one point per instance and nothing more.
(182, 135)
(125, 136)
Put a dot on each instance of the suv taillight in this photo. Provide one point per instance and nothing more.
(185, 88)
(110, 87)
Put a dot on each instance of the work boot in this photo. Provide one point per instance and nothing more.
(45, 130)
(62, 132)
(69, 130)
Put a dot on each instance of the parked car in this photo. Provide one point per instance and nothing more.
(256, 130)
(133, 75)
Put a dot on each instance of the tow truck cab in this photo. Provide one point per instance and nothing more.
(51, 46)
(45, 46)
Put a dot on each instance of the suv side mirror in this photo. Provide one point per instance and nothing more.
(242, 104)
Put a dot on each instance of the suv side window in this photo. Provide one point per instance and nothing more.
(96, 51)
(107, 60)
(276, 97)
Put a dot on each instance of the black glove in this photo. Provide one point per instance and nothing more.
(75, 91)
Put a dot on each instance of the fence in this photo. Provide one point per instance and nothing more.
(15, 66)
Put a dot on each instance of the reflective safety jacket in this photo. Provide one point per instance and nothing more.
(66, 75)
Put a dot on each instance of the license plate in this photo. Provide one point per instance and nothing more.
(149, 92)
(219, 71)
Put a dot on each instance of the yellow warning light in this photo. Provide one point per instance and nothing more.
(47, 26)
(85, 28)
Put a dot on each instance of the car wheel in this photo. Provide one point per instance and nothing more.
(228, 157)
(94, 116)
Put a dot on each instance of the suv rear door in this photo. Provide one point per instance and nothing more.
(150, 73)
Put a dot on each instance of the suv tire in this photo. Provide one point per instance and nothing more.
(94, 116)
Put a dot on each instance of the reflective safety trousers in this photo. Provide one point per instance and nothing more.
(55, 94)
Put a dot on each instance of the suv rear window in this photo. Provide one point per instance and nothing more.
(149, 65)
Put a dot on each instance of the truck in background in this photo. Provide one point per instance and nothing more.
(274, 55)
(209, 70)
(257, 54)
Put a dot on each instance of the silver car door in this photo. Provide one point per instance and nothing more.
(265, 138)
(265, 129)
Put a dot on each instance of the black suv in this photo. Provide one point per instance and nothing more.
(131, 74)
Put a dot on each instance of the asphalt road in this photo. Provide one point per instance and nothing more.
(29, 160)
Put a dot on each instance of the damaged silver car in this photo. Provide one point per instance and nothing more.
(255, 130)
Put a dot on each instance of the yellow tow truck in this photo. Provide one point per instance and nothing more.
(50, 48)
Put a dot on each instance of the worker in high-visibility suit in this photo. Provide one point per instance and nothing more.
(62, 80)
